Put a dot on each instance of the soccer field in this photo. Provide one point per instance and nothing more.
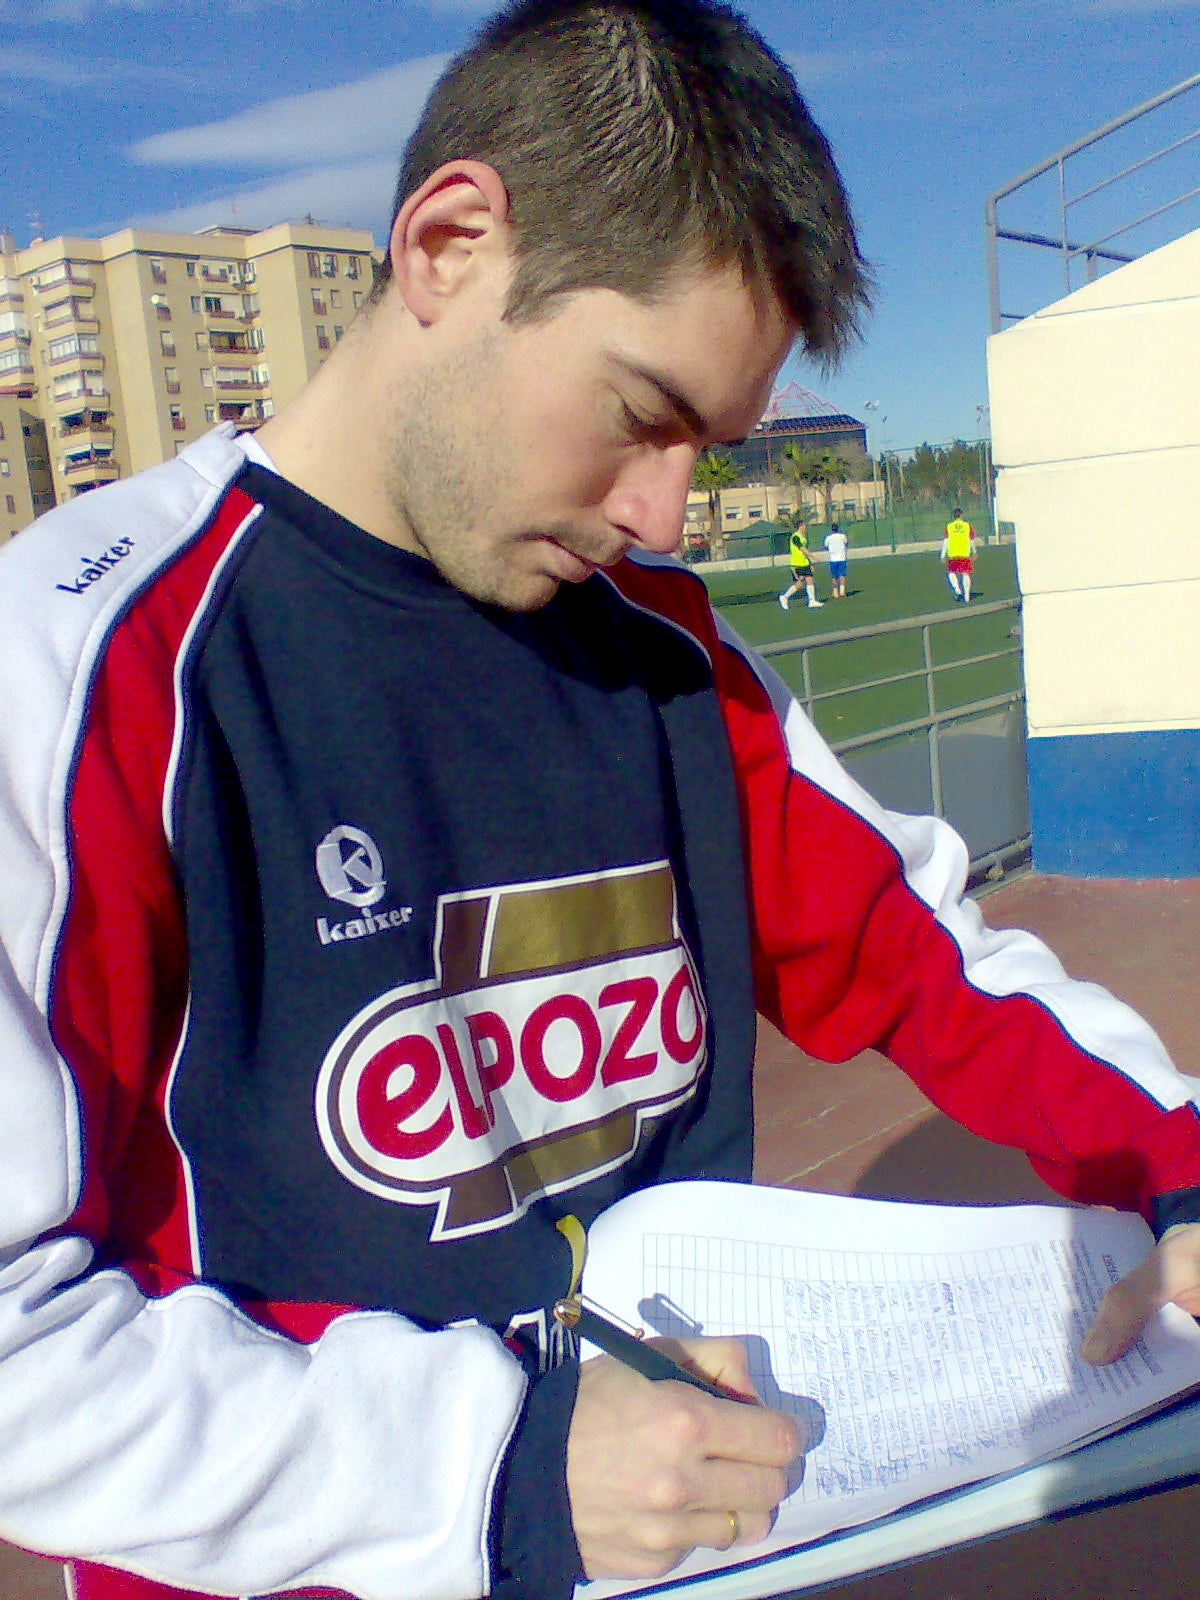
(881, 589)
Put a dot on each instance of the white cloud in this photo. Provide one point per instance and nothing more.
(356, 193)
(369, 116)
(34, 13)
(819, 66)
(57, 69)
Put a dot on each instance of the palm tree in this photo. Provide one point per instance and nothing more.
(820, 469)
(713, 473)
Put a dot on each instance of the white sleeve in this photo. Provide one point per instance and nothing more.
(175, 1437)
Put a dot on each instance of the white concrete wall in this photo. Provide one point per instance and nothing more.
(1095, 406)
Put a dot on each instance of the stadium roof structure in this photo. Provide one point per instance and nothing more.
(795, 409)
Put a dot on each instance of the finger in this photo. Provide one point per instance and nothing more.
(1171, 1272)
(721, 1484)
(723, 1529)
(722, 1361)
(732, 1432)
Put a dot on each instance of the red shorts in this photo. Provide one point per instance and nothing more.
(960, 564)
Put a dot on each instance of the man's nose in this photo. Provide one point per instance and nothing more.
(649, 499)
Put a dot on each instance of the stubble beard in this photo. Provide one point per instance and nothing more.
(448, 472)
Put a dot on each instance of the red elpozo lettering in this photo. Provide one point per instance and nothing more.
(562, 1016)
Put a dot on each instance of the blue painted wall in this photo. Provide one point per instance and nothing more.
(1116, 805)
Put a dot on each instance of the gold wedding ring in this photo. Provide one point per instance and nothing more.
(735, 1527)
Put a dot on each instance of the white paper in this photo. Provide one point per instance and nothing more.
(929, 1346)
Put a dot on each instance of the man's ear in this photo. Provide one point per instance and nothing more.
(450, 233)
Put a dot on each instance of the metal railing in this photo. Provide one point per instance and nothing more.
(995, 840)
(1100, 248)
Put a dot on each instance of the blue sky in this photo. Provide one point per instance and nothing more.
(184, 112)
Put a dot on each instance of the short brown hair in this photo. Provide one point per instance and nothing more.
(634, 136)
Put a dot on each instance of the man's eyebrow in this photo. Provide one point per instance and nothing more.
(695, 421)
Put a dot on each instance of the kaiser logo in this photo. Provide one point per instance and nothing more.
(563, 1019)
(350, 867)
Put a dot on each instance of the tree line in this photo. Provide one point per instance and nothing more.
(949, 473)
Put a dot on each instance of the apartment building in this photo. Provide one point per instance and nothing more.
(26, 483)
(127, 348)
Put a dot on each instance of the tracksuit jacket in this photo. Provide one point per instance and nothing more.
(354, 933)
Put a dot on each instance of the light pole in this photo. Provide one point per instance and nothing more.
(881, 441)
(983, 424)
(873, 405)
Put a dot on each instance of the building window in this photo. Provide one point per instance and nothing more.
(213, 306)
(10, 500)
(249, 272)
(196, 304)
(318, 303)
(358, 299)
(74, 344)
(177, 422)
(352, 266)
(5, 469)
(166, 342)
(171, 377)
(202, 339)
(158, 271)
(191, 269)
(210, 413)
(314, 264)
(337, 332)
(206, 377)
(250, 305)
(322, 337)
(335, 299)
(329, 266)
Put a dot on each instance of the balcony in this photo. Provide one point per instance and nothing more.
(250, 415)
(72, 397)
(81, 426)
(70, 311)
(239, 380)
(17, 382)
(92, 357)
(173, 386)
(77, 282)
(92, 465)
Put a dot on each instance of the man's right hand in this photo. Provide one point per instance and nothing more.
(656, 1469)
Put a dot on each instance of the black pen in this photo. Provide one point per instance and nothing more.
(631, 1351)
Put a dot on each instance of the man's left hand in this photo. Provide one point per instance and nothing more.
(1169, 1274)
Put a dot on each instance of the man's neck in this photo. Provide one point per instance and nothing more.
(329, 441)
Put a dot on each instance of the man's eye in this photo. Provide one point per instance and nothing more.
(641, 427)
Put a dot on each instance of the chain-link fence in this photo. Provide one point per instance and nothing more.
(905, 522)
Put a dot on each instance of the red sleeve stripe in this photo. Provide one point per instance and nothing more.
(119, 987)
(863, 939)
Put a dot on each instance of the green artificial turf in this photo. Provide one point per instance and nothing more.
(881, 589)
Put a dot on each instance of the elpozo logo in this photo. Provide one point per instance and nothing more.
(563, 1017)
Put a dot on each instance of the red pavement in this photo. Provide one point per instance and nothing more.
(862, 1129)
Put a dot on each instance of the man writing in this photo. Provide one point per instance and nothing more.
(396, 853)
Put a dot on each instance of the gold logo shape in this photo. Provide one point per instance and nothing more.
(563, 1019)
